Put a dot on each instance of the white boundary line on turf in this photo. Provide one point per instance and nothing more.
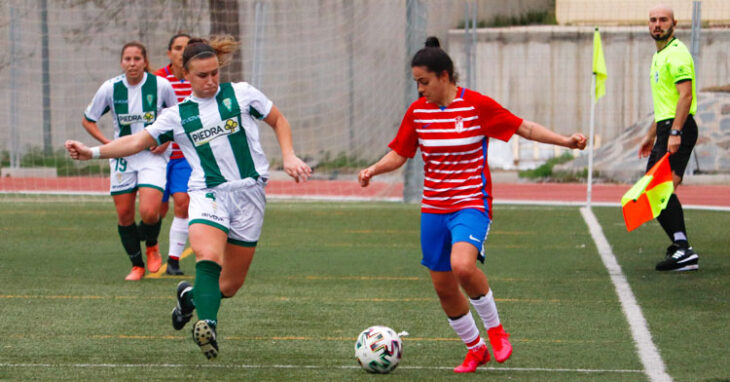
(648, 354)
(173, 365)
(320, 198)
(598, 204)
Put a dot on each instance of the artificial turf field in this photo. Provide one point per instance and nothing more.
(325, 271)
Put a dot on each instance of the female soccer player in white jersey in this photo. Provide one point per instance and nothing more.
(216, 129)
(178, 169)
(452, 126)
(134, 98)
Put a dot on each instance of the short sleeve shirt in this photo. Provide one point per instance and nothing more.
(103, 102)
(454, 143)
(669, 66)
(220, 147)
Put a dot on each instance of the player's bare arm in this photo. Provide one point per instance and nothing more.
(293, 166)
(122, 147)
(389, 162)
(539, 133)
(93, 129)
(154, 149)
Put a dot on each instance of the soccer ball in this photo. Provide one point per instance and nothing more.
(378, 349)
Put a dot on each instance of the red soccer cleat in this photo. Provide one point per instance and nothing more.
(500, 343)
(135, 274)
(154, 260)
(474, 358)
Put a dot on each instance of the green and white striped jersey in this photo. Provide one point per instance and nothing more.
(132, 107)
(219, 135)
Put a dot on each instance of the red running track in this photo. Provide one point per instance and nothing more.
(695, 195)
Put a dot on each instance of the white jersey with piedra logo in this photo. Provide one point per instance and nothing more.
(219, 136)
(132, 106)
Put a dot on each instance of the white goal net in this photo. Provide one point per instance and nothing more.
(336, 69)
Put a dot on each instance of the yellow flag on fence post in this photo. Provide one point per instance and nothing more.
(599, 66)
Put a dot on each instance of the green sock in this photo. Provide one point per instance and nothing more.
(149, 232)
(130, 241)
(207, 290)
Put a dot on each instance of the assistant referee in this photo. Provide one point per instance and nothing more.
(674, 129)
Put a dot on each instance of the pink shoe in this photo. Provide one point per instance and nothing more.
(474, 358)
(500, 343)
(154, 260)
(135, 274)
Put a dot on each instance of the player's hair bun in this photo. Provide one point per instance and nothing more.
(432, 42)
(197, 40)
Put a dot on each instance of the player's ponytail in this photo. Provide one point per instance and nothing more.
(435, 59)
(142, 48)
(221, 46)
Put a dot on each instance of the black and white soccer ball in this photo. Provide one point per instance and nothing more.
(378, 349)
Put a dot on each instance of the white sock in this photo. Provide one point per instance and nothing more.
(680, 236)
(178, 237)
(467, 330)
(487, 310)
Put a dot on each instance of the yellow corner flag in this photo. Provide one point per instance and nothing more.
(599, 66)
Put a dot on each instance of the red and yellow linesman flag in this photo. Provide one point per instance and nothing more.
(649, 196)
(599, 66)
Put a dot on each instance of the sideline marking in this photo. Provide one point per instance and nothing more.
(648, 354)
(214, 366)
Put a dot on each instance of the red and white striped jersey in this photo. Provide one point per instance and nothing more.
(454, 143)
(182, 90)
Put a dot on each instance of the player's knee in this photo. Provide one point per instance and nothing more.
(149, 215)
(463, 269)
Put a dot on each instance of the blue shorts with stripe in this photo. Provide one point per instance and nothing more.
(439, 232)
(178, 174)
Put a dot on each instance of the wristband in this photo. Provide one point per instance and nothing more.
(95, 153)
(675, 132)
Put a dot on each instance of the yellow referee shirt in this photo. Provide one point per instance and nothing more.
(670, 65)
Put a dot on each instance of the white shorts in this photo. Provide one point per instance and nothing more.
(236, 208)
(143, 169)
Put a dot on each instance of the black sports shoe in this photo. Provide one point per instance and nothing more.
(679, 259)
(204, 336)
(173, 268)
(183, 311)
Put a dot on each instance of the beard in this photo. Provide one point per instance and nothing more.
(665, 36)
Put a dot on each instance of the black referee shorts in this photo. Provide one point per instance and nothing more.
(678, 160)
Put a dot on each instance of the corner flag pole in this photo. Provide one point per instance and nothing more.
(598, 90)
(590, 141)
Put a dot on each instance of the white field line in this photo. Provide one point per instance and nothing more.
(597, 204)
(334, 198)
(649, 355)
(214, 366)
